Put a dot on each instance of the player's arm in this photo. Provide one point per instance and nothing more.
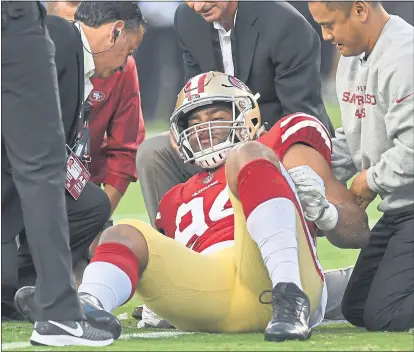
(329, 204)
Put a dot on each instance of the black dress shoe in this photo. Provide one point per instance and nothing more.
(291, 312)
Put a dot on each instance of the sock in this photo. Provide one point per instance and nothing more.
(112, 275)
(269, 206)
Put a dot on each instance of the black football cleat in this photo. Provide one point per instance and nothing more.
(291, 312)
(98, 317)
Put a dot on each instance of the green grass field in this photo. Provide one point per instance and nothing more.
(341, 337)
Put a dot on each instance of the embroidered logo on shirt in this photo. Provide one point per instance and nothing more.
(97, 96)
(403, 98)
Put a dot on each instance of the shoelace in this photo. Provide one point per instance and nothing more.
(289, 310)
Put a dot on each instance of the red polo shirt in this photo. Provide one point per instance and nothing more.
(117, 128)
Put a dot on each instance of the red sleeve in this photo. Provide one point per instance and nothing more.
(125, 132)
(167, 211)
(299, 128)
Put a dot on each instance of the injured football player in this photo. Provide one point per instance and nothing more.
(239, 251)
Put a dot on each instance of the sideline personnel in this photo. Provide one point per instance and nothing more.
(33, 175)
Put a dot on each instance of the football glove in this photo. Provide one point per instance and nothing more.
(312, 195)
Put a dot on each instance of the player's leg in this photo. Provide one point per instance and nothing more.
(189, 290)
(274, 222)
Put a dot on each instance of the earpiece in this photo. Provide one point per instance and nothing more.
(116, 34)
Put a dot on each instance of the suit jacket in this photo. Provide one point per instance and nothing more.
(69, 66)
(276, 52)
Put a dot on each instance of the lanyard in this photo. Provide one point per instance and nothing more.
(82, 143)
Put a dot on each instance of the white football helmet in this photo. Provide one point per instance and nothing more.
(207, 89)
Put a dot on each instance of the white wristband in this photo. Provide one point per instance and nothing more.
(329, 219)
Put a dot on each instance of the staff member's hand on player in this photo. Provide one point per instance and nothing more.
(364, 195)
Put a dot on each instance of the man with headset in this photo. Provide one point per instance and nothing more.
(116, 122)
(98, 44)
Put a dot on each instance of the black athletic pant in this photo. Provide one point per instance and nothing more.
(86, 216)
(32, 132)
(380, 292)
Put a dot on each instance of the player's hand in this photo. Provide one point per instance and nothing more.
(364, 195)
(311, 190)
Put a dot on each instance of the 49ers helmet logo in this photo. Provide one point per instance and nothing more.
(238, 84)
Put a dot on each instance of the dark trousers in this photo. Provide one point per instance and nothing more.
(380, 293)
(32, 132)
(86, 216)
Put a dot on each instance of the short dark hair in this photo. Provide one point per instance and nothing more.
(346, 6)
(97, 13)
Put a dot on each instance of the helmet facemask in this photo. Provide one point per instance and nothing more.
(208, 143)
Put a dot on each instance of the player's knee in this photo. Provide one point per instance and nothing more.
(129, 237)
(241, 155)
(394, 317)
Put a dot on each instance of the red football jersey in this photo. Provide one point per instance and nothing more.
(198, 213)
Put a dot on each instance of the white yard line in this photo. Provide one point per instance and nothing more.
(154, 335)
(333, 322)
(144, 335)
(14, 345)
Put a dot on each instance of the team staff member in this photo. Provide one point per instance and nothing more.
(112, 37)
(375, 87)
(116, 121)
(33, 176)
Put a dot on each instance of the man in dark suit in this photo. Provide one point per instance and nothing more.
(33, 156)
(97, 47)
(90, 211)
(273, 49)
(268, 45)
